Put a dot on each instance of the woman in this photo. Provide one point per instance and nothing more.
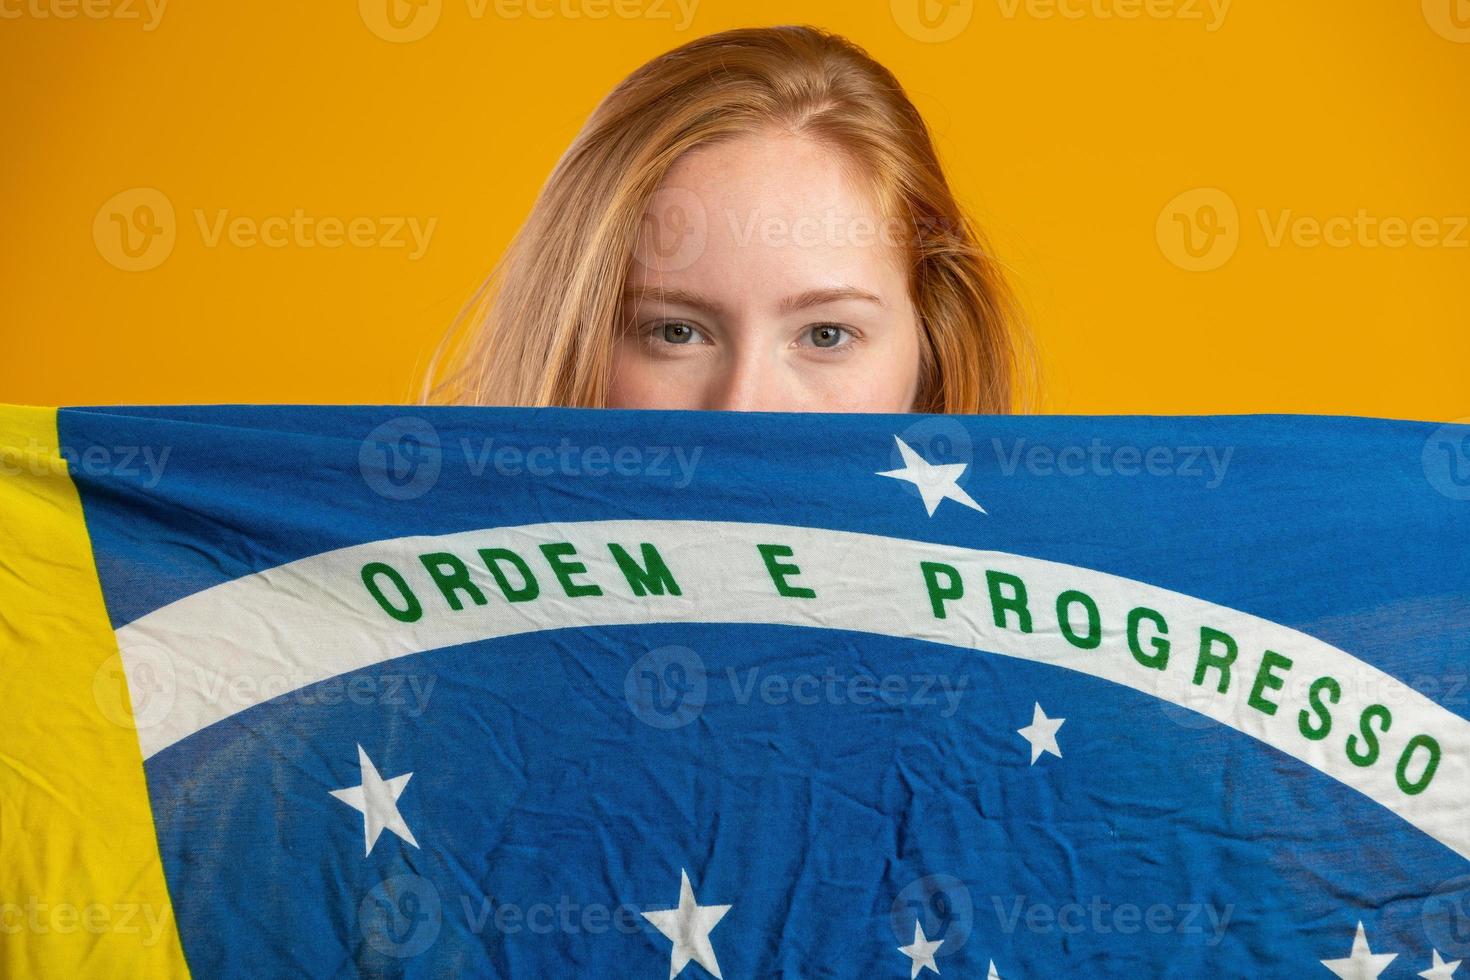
(754, 221)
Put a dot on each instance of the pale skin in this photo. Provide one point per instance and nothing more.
(767, 281)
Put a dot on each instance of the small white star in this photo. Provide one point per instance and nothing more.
(936, 482)
(1042, 734)
(376, 799)
(1440, 970)
(921, 951)
(689, 927)
(1362, 963)
(992, 975)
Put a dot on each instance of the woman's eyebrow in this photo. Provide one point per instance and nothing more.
(791, 304)
(819, 297)
(673, 297)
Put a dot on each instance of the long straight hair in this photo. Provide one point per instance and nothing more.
(540, 330)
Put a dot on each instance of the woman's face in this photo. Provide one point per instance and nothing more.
(766, 280)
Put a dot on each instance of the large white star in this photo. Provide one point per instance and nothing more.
(992, 975)
(1440, 970)
(936, 482)
(376, 799)
(1362, 963)
(1042, 734)
(921, 951)
(689, 927)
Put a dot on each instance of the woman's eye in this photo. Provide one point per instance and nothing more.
(676, 332)
(828, 335)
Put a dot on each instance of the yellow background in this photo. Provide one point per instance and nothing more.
(1068, 136)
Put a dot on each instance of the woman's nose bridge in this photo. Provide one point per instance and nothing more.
(749, 379)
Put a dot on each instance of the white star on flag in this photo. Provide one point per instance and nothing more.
(1042, 734)
(992, 975)
(921, 951)
(936, 482)
(1362, 963)
(689, 927)
(376, 799)
(1440, 970)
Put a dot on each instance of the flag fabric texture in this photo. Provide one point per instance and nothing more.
(430, 692)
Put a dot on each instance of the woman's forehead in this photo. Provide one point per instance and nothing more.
(766, 218)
